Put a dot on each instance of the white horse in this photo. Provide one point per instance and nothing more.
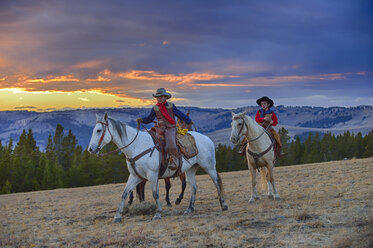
(133, 142)
(259, 152)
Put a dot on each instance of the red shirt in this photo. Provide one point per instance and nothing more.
(260, 119)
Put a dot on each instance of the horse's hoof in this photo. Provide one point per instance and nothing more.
(270, 197)
(177, 202)
(251, 201)
(188, 211)
(225, 208)
(117, 219)
(277, 198)
(169, 205)
(157, 216)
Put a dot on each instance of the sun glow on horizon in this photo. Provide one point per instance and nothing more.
(21, 99)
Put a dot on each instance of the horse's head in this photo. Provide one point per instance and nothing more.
(239, 126)
(101, 134)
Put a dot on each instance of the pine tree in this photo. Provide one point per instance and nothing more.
(359, 149)
(67, 150)
(6, 166)
(368, 145)
(285, 140)
(6, 188)
(297, 151)
(57, 142)
(52, 175)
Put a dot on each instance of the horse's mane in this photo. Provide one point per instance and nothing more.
(120, 127)
(251, 123)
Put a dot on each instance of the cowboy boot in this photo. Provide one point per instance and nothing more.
(172, 159)
(172, 163)
(280, 153)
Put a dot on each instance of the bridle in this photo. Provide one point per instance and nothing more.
(106, 125)
(243, 122)
(247, 128)
(256, 156)
(131, 160)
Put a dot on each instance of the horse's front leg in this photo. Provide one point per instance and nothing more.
(254, 194)
(265, 174)
(155, 190)
(130, 185)
(191, 174)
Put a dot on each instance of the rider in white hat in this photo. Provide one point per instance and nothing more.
(165, 113)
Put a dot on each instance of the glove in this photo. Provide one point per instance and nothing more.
(139, 120)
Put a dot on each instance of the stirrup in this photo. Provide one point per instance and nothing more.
(172, 164)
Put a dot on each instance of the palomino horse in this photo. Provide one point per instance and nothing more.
(140, 190)
(143, 160)
(259, 151)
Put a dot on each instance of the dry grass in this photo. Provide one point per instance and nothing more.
(323, 205)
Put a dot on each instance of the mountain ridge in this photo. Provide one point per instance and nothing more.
(214, 122)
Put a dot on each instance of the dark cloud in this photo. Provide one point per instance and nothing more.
(248, 39)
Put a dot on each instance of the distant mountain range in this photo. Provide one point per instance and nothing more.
(213, 122)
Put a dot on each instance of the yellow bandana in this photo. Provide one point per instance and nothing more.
(182, 131)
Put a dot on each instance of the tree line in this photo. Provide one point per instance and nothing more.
(65, 164)
(314, 149)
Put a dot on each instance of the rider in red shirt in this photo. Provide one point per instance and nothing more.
(268, 119)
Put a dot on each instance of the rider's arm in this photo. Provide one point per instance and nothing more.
(274, 119)
(181, 115)
(258, 118)
(149, 118)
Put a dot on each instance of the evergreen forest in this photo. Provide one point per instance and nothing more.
(65, 164)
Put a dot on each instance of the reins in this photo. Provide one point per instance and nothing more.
(106, 124)
(256, 156)
(131, 160)
(239, 132)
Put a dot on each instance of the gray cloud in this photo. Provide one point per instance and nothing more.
(248, 39)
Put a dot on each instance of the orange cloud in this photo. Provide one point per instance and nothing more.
(68, 78)
(179, 79)
(90, 64)
(99, 79)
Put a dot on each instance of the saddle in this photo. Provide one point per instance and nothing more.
(186, 147)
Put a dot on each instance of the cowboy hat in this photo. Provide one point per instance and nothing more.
(265, 98)
(162, 92)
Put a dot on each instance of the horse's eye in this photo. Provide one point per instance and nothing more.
(239, 124)
(99, 131)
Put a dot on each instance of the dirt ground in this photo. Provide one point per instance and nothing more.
(322, 205)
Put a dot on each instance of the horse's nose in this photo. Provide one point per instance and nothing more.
(90, 149)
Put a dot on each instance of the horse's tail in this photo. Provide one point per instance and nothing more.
(220, 185)
(263, 178)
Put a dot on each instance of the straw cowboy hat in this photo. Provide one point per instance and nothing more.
(162, 92)
(265, 98)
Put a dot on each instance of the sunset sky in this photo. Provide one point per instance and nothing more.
(226, 54)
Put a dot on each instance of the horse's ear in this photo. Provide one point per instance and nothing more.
(98, 118)
(244, 112)
(105, 117)
(232, 113)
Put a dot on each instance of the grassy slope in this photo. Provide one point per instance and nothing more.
(323, 205)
